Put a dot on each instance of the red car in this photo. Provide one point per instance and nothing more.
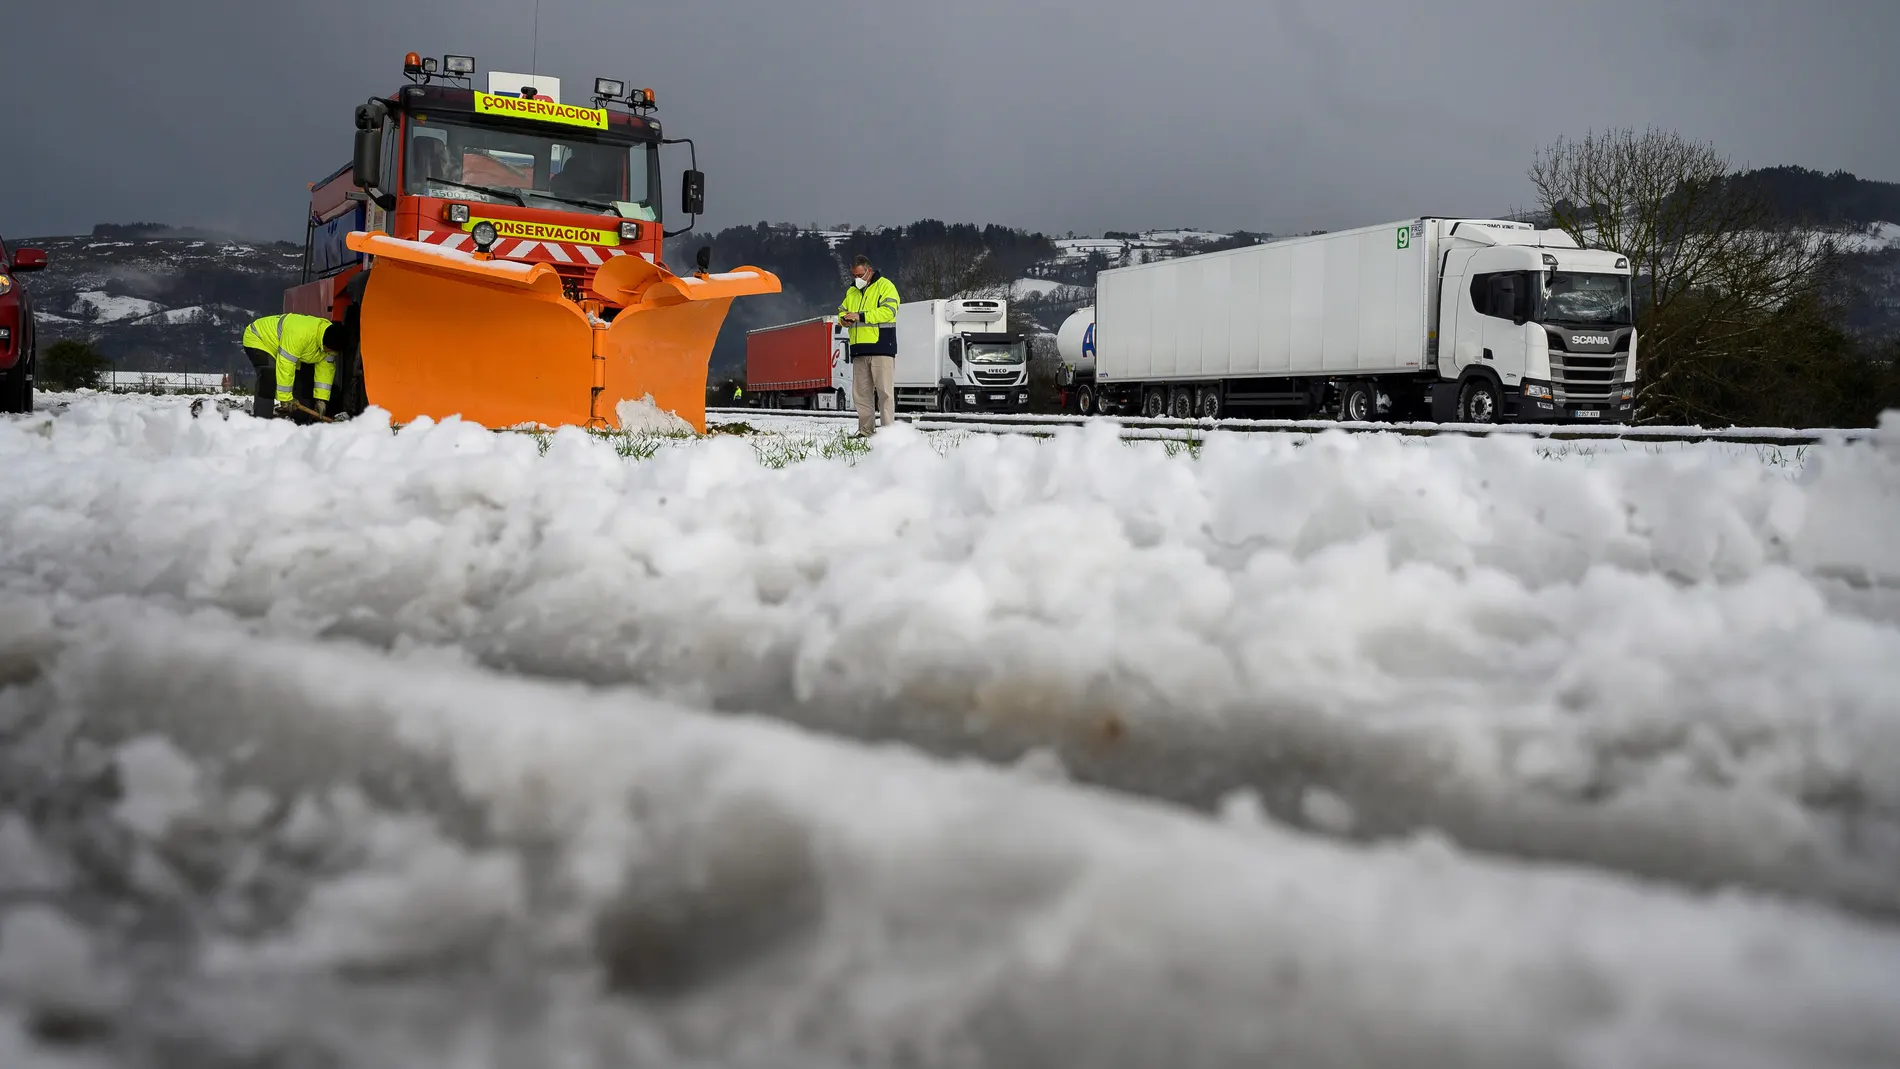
(19, 347)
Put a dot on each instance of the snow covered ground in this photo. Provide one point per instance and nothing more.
(445, 747)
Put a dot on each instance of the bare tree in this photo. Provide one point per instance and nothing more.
(1714, 264)
(945, 269)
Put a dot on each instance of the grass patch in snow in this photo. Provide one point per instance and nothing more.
(779, 451)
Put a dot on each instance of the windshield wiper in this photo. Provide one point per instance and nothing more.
(570, 200)
(493, 192)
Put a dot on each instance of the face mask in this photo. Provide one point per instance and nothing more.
(861, 282)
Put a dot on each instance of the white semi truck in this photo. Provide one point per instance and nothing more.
(1468, 320)
(958, 355)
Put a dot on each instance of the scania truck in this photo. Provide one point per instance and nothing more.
(1466, 320)
(798, 365)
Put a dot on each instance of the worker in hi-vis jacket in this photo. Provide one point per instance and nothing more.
(869, 309)
(278, 345)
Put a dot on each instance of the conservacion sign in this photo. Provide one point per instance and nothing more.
(540, 110)
(579, 235)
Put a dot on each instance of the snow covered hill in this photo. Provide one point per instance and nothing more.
(340, 746)
(162, 300)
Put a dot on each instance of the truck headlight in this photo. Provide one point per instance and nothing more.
(6, 285)
(630, 231)
(485, 235)
(1628, 394)
(458, 213)
(1537, 390)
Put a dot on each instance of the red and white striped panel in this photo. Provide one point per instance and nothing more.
(525, 249)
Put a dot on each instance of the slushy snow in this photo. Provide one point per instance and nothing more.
(447, 747)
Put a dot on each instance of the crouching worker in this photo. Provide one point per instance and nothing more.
(279, 346)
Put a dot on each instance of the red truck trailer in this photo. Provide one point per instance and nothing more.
(798, 365)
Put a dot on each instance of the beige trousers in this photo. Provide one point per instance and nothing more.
(874, 373)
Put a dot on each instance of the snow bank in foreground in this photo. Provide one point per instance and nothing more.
(646, 417)
(1681, 666)
(327, 855)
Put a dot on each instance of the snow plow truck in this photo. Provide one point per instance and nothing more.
(499, 254)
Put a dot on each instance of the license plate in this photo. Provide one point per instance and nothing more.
(999, 397)
(1587, 413)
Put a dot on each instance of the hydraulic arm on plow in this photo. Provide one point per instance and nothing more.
(500, 253)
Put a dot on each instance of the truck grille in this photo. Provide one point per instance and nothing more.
(1587, 376)
(998, 378)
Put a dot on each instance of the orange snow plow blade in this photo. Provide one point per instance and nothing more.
(498, 343)
(661, 343)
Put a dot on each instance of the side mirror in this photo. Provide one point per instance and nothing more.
(704, 259)
(693, 193)
(367, 169)
(29, 260)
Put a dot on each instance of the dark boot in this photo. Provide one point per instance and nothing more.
(264, 403)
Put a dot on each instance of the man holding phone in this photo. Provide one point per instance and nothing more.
(869, 312)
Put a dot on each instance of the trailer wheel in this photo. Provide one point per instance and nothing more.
(1154, 403)
(1085, 400)
(1478, 402)
(1358, 404)
(1181, 402)
(12, 389)
(1209, 406)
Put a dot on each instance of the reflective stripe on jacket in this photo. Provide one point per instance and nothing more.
(876, 335)
(295, 339)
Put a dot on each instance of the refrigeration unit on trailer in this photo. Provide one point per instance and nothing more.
(958, 355)
(1468, 319)
(798, 365)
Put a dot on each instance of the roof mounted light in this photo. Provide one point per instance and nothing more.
(1623, 264)
(459, 65)
(429, 65)
(644, 98)
(412, 63)
(1550, 261)
(609, 88)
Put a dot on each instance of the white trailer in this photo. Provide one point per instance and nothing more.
(1470, 319)
(958, 355)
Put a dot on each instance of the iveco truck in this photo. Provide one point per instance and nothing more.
(958, 355)
(1466, 320)
(952, 355)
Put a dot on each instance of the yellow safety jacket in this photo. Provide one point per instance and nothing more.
(876, 335)
(295, 339)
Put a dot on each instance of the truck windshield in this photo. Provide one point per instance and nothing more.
(1598, 300)
(981, 352)
(446, 156)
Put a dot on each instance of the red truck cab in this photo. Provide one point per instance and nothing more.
(563, 185)
(19, 342)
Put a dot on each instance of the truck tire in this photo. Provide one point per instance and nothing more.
(1181, 402)
(1154, 402)
(1358, 403)
(1478, 402)
(14, 390)
(1208, 405)
(1085, 400)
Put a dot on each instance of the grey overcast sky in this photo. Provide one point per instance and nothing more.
(1261, 114)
